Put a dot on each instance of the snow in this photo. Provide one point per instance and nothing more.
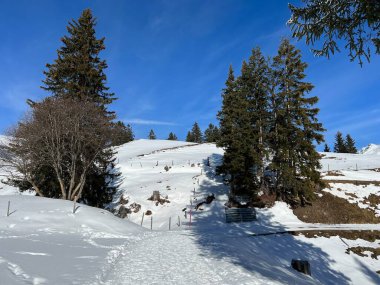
(43, 242)
(346, 161)
(371, 149)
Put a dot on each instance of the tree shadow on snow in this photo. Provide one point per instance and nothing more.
(265, 256)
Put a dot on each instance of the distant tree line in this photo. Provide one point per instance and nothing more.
(210, 135)
(268, 128)
(342, 145)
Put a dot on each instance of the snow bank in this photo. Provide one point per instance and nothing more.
(43, 242)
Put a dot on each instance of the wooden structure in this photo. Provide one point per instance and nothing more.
(237, 215)
(156, 196)
(302, 266)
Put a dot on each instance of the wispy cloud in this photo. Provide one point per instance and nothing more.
(149, 122)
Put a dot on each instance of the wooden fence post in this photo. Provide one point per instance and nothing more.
(142, 219)
(75, 204)
(9, 205)
(179, 221)
(170, 222)
(151, 222)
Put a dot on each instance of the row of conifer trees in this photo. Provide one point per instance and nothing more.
(210, 135)
(269, 127)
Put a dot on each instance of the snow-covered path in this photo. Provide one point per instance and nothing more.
(178, 258)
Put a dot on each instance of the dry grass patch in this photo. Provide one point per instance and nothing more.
(373, 200)
(330, 209)
(362, 251)
(334, 173)
(355, 182)
(367, 235)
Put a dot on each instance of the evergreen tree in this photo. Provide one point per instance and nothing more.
(152, 135)
(234, 135)
(172, 137)
(189, 137)
(195, 134)
(339, 145)
(78, 73)
(326, 149)
(122, 133)
(256, 92)
(356, 22)
(294, 128)
(211, 134)
(350, 145)
(227, 117)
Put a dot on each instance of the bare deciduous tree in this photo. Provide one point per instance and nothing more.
(63, 134)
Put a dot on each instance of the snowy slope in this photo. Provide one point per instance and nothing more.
(43, 242)
(346, 161)
(4, 188)
(371, 149)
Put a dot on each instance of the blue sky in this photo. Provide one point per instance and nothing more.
(168, 61)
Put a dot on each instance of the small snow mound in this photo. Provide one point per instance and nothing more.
(371, 149)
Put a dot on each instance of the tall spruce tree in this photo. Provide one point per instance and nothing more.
(152, 135)
(256, 91)
(339, 145)
(350, 145)
(172, 137)
(78, 72)
(235, 135)
(227, 120)
(294, 128)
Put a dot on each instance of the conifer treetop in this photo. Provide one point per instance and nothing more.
(78, 72)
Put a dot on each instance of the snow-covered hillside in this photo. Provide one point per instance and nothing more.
(43, 242)
(371, 149)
